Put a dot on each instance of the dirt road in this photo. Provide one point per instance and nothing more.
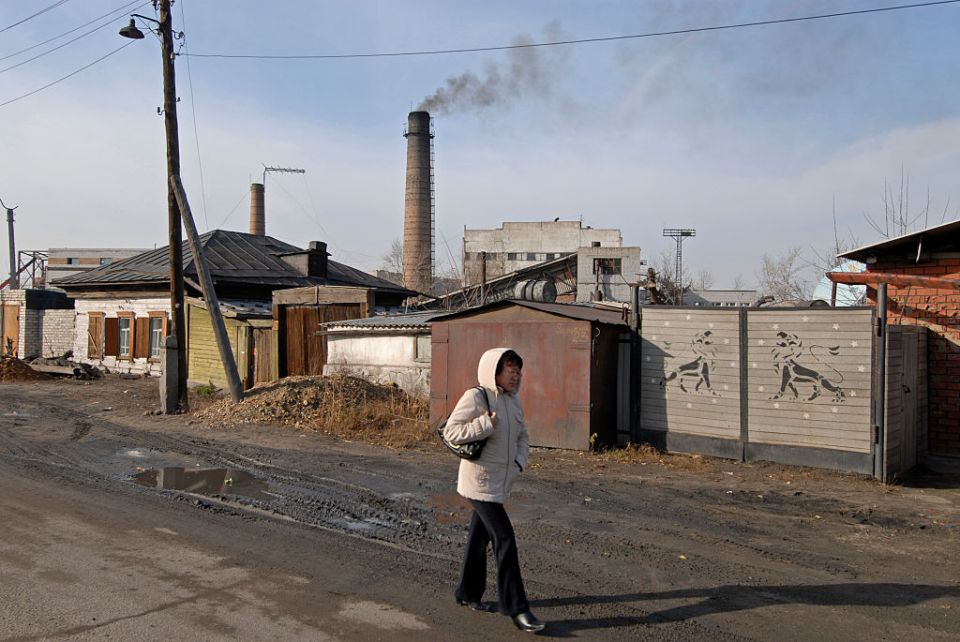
(294, 535)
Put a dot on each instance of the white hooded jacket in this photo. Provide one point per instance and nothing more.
(489, 477)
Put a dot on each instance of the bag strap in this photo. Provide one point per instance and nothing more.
(485, 397)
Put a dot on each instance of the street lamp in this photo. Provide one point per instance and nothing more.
(170, 403)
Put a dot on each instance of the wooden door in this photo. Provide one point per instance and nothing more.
(262, 355)
(11, 329)
(305, 348)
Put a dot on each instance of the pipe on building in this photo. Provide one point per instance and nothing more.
(258, 222)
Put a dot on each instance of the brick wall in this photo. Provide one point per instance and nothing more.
(938, 310)
(110, 307)
(45, 333)
(56, 331)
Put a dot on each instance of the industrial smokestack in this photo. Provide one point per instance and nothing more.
(418, 204)
(258, 222)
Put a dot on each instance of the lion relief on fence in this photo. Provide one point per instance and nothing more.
(787, 352)
(695, 373)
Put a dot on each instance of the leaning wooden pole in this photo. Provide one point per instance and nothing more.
(209, 294)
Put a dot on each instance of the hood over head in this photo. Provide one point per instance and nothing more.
(487, 368)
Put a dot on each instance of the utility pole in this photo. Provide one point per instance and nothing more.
(173, 211)
(209, 294)
(13, 282)
(679, 235)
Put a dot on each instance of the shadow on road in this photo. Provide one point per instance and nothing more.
(936, 472)
(732, 598)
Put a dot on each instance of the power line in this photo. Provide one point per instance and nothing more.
(554, 43)
(72, 73)
(193, 112)
(61, 46)
(123, 9)
(233, 209)
(41, 12)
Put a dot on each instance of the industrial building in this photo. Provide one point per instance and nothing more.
(489, 253)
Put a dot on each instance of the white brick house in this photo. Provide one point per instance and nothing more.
(108, 333)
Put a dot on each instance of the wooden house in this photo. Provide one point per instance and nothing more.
(122, 309)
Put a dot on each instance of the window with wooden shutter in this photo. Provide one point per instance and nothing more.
(125, 334)
(141, 338)
(95, 335)
(111, 337)
(158, 330)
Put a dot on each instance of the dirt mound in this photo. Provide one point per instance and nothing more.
(341, 405)
(13, 369)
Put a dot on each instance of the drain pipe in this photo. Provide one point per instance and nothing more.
(880, 458)
(636, 350)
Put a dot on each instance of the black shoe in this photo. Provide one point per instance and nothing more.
(476, 606)
(526, 621)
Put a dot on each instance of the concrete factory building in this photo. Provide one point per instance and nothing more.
(516, 246)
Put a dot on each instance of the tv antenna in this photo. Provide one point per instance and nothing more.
(679, 234)
(281, 170)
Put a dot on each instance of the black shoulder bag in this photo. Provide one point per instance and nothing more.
(470, 450)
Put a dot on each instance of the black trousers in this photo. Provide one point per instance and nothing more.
(490, 523)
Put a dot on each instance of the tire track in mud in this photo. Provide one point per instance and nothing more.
(306, 498)
(320, 500)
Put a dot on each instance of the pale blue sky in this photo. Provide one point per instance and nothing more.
(748, 135)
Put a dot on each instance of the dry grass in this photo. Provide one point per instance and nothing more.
(381, 415)
(647, 454)
(346, 407)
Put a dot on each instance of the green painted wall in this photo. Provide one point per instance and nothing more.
(203, 357)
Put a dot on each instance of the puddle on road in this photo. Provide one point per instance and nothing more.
(207, 481)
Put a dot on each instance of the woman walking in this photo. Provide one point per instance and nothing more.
(492, 411)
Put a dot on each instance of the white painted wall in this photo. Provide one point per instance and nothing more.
(110, 307)
(387, 359)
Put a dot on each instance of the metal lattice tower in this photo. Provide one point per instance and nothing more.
(679, 234)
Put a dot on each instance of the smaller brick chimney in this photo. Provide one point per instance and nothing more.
(258, 222)
(309, 262)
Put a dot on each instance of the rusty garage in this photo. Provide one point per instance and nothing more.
(575, 365)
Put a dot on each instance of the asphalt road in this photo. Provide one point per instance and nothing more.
(318, 539)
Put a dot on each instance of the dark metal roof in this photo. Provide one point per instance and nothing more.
(939, 238)
(568, 310)
(232, 257)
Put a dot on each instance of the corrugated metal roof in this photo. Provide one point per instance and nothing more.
(232, 257)
(417, 320)
(242, 308)
(584, 312)
(944, 237)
